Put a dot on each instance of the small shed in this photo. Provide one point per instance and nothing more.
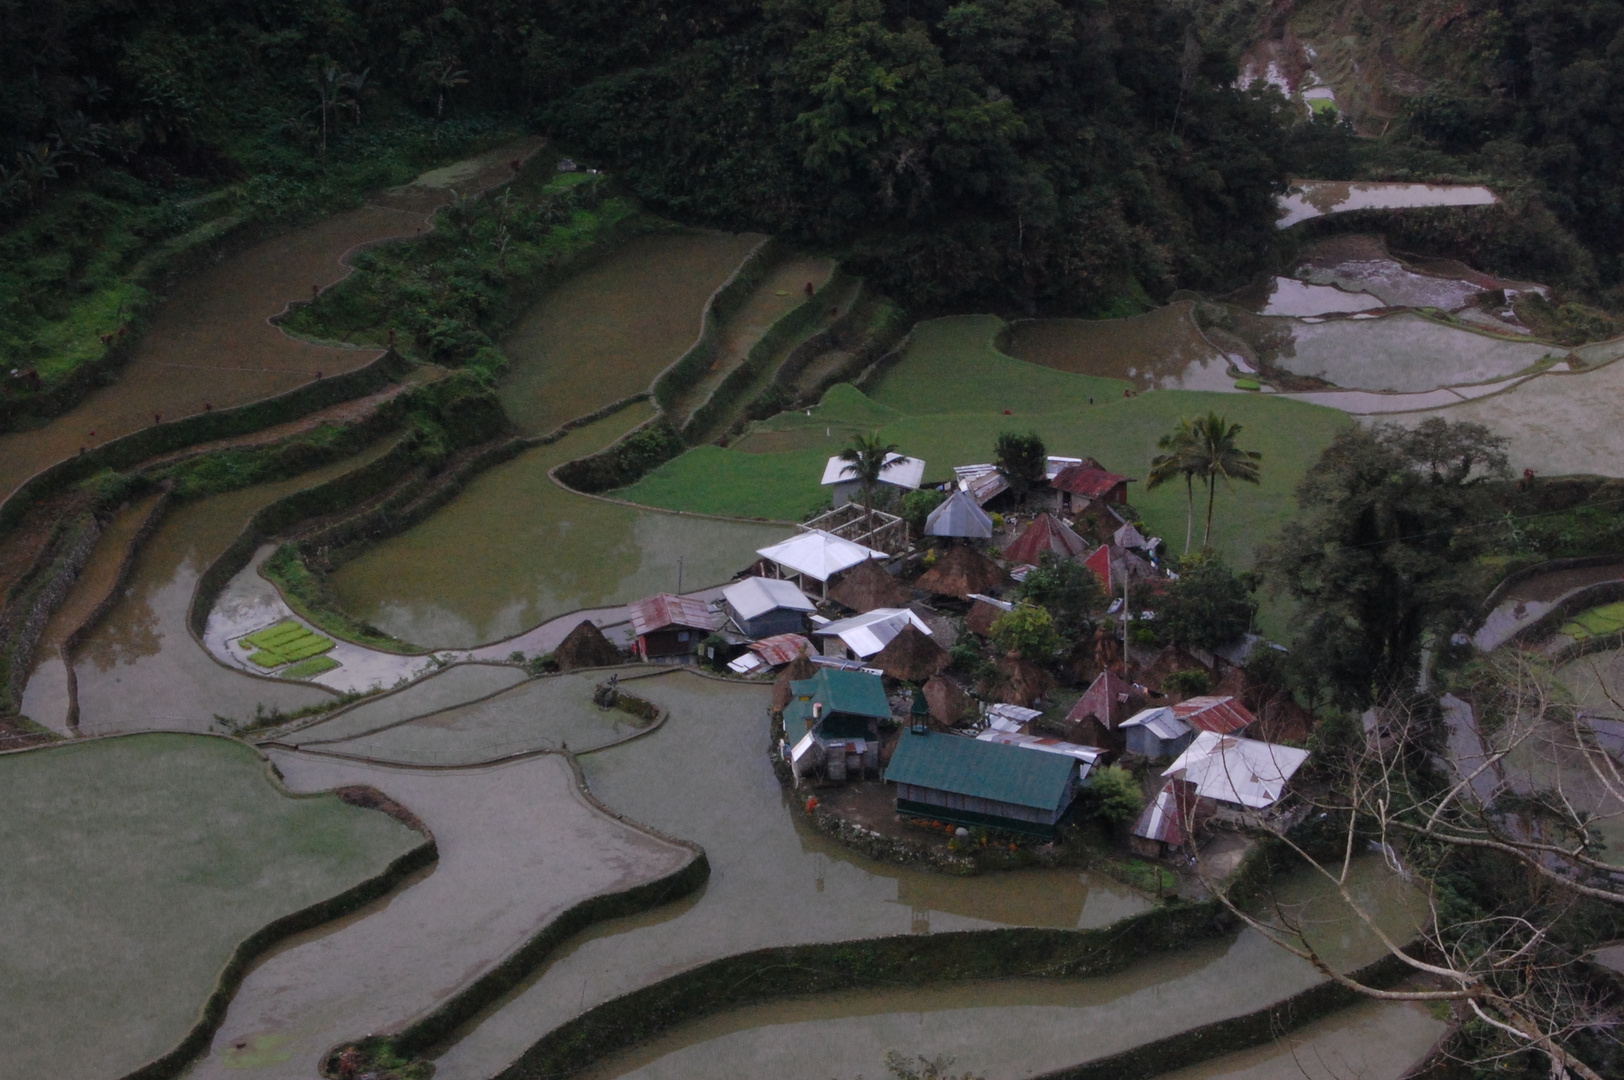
(1098, 715)
(867, 586)
(911, 656)
(984, 611)
(1156, 733)
(816, 556)
(900, 471)
(1243, 777)
(1220, 715)
(761, 607)
(1046, 533)
(773, 652)
(832, 720)
(959, 518)
(861, 636)
(962, 572)
(975, 783)
(667, 625)
(1171, 821)
(585, 646)
(1086, 483)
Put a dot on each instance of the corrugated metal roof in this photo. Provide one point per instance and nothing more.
(1046, 533)
(1165, 818)
(900, 471)
(854, 692)
(872, 631)
(1222, 715)
(982, 770)
(1161, 722)
(664, 609)
(959, 517)
(782, 648)
(818, 554)
(1087, 479)
(1088, 755)
(755, 596)
(1236, 770)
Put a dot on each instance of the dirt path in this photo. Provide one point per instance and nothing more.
(212, 344)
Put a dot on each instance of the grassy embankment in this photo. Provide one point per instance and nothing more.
(945, 401)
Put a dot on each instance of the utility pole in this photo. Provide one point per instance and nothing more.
(679, 575)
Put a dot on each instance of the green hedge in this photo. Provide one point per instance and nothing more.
(33, 599)
(173, 435)
(638, 453)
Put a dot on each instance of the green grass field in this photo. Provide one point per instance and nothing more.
(1597, 622)
(133, 867)
(944, 402)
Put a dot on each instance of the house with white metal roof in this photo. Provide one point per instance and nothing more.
(959, 517)
(1156, 732)
(761, 607)
(815, 555)
(862, 636)
(900, 471)
(1243, 776)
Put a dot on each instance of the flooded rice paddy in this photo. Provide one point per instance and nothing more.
(608, 331)
(163, 853)
(518, 846)
(1316, 198)
(1021, 1027)
(1160, 350)
(141, 668)
(515, 549)
(458, 685)
(1288, 296)
(1370, 1041)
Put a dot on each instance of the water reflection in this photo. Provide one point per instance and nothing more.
(1315, 198)
(1160, 350)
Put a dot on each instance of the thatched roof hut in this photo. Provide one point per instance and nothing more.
(948, 703)
(911, 656)
(982, 616)
(962, 571)
(867, 586)
(585, 646)
(1019, 682)
(796, 670)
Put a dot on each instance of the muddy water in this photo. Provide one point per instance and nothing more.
(1014, 1028)
(515, 549)
(608, 331)
(1315, 198)
(210, 343)
(45, 700)
(140, 668)
(1288, 296)
(1161, 350)
(704, 776)
(780, 292)
(451, 688)
(1405, 352)
(1370, 1041)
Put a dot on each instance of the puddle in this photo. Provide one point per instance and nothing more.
(551, 713)
(518, 846)
(704, 776)
(1160, 350)
(1403, 352)
(140, 668)
(514, 550)
(1316, 198)
(45, 699)
(606, 332)
(138, 865)
(451, 687)
(1016, 1027)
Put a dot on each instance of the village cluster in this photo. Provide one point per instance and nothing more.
(864, 628)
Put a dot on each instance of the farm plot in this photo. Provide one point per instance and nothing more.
(287, 642)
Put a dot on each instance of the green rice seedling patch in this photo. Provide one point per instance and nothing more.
(306, 669)
(285, 643)
(285, 630)
(138, 865)
(306, 647)
(267, 659)
(1597, 622)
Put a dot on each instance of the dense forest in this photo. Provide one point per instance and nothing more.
(1020, 154)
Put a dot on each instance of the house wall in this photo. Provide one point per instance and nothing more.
(777, 621)
(1142, 741)
(673, 641)
(969, 810)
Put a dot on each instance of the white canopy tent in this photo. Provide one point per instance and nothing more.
(817, 555)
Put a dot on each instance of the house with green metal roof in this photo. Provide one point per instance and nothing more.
(833, 720)
(976, 783)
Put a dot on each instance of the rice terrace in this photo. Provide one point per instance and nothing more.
(949, 541)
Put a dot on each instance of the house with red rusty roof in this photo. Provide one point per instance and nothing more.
(668, 625)
(1081, 486)
(1046, 533)
(1167, 730)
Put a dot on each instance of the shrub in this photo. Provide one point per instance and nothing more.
(1029, 631)
(1192, 681)
(1113, 794)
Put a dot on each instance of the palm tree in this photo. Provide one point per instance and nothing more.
(445, 82)
(1181, 459)
(329, 84)
(866, 460)
(1221, 459)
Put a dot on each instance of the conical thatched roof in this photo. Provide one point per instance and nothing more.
(962, 571)
(948, 703)
(867, 586)
(797, 669)
(911, 656)
(1019, 682)
(982, 616)
(585, 646)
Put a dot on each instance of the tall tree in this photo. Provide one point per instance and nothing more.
(1383, 550)
(866, 458)
(1222, 459)
(1022, 461)
(1180, 458)
(1208, 606)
